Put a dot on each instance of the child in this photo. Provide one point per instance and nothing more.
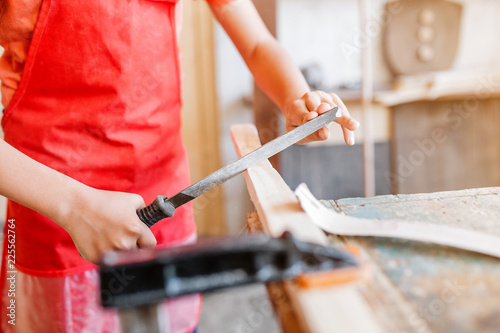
(91, 91)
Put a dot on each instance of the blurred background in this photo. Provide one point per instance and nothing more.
(423, 77)
(431, 79)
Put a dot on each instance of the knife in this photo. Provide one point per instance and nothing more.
(163, 207)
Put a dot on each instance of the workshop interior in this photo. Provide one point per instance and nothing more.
(418, 194)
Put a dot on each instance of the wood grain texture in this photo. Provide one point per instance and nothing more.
(290, 321)
(405, 229)
(430, 288)
(199, 112)
(278, 208)
(415, 287)
(327, 309)
(443, 146)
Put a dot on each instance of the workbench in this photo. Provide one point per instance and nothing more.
(412, 286)
(418, 287)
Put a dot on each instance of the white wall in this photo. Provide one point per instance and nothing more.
(325, 32)
(479, 47)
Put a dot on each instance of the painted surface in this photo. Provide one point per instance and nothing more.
(445, 289)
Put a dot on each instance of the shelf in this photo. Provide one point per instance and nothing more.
(442, 86)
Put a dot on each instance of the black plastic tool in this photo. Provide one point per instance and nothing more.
(163, 207)
(136, 278)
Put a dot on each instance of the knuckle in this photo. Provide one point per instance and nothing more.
(297, 104)
(135, 228)
(325, 96)
(121, 244)
(138, 200)
(308, 95)
(152, 243)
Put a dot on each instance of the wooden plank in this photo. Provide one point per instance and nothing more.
(288, 317)
(199, 112)
(278, 208)
(338, 308)
(454, 236)
(444, 289)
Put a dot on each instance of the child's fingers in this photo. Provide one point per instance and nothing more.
(312, 100)
(323, 133)
(315, 103)
(348, 136)
(326, 99)
(146, 239)
(323, 107)
(320, 135)
(308, 116)
(145, 236)
(297, 114)
(347, 123)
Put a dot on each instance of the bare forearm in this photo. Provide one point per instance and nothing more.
(97, 221)
(36, 186)
(275, 73)
(272, 68)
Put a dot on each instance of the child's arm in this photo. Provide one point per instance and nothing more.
(97, 221)
(275, 72)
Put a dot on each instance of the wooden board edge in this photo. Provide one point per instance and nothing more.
(312, 307)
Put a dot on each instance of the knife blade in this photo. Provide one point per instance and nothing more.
(163, 207)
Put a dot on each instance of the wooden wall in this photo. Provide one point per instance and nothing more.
(445, 145)
(200, 116)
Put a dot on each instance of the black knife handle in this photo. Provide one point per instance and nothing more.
(156, 211)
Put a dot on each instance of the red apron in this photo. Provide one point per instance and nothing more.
(99, 101)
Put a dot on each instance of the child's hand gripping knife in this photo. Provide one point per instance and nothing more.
(101, 221)
(97, 221)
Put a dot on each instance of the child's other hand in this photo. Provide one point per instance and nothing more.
(311, 105)
(102, 221)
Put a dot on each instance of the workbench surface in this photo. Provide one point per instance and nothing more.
(421, 287)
